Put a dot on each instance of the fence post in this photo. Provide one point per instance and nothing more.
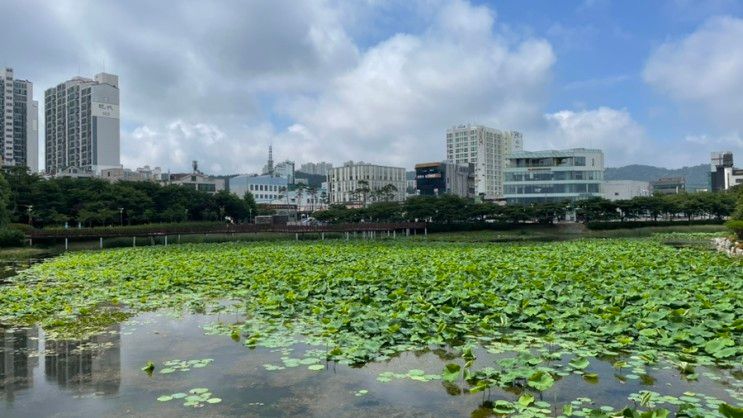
(322, 236)
(179, 238)
(347, 234)
(100, 243)
(166, 240)
(134, 241)
(394, 234)
(296, 236)
(30, 242)
(66, 245)
(425, 231)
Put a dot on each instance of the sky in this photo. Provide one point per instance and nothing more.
(648, 82)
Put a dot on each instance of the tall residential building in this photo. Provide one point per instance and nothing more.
(320, 168)
(345, 184)
(554, 176)
(487, 149)
(82, 124)
(285, 169)
(19, 122)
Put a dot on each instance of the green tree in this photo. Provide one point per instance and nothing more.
(5, 199)
(250, 205)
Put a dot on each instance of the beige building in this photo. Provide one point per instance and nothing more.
(487, 149)
(345, 184)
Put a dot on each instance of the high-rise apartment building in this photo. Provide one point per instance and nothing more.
(320, 168)
(488, 150)
(19, 122)
(82, 124)
(285, 169)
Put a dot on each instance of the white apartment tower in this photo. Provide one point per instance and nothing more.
(82, 124)
(488, 150)
(19, 122)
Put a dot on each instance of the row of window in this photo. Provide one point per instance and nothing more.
(552, 188)
(555, 176)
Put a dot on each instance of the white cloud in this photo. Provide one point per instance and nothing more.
(613, 131)
(396, 104)
(730, 140)
(704, 70)
(176, 145)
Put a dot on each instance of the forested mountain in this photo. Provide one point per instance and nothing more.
(697, 177)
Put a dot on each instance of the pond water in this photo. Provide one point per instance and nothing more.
(103, 376)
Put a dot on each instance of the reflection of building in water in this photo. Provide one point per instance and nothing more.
(16, 367)
(92, 365)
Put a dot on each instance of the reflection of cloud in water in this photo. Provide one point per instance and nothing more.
(88, 366)
(18, 347)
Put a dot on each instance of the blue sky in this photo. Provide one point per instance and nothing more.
(652, 82)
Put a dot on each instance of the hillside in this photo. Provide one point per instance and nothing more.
(697, 177)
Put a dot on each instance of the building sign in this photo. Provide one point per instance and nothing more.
(105, 110)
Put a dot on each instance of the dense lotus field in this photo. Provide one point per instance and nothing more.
(545, 309)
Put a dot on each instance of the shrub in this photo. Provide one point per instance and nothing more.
(737, 227)
(10, 237)
(25, 228)
(598, 225)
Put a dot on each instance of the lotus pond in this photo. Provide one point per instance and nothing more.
(600, 328)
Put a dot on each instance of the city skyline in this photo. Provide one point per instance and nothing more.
(582, 74)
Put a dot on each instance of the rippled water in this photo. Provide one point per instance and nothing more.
(102, 376)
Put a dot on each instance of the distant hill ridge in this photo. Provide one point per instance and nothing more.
(697, 177)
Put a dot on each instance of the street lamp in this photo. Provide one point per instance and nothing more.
(30, 210)
(121, 216)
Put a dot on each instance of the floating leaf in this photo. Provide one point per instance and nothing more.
(451, 372)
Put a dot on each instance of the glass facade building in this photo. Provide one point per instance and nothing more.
(553, 176)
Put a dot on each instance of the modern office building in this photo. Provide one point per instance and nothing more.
(668, 185)
(433, 179)
(625, 189)
(384, 183)
(487, 149)
(554, 176)
(19, 122)
(285, 169)
(723, 175)
(320, 168)
(265, 189)
(82, 124)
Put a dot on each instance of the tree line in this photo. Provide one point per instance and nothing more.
(454, 209)
(31, 199)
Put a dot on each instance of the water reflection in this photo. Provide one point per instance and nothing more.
(88, 366)
(18, 348)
